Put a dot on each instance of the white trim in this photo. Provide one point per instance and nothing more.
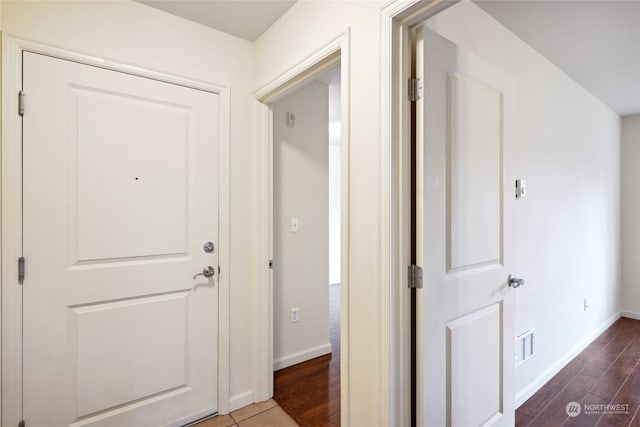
(11, 236)
(630, 314)
(395, 198)
(395, 230)
(321, 60)
(334, 51)
(224, 254)
(302, 356)
(535, 385)
(113, 65)
(262, 321)
(11, 216)
(345, 226)
(240, 400)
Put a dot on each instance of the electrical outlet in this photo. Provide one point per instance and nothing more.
(295, 315)
(585, 304)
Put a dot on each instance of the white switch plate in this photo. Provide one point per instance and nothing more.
(291, 120)
(295, 315)
(295, 225)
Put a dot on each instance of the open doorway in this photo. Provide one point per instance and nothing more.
(306, 248)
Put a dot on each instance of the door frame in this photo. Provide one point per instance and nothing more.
(396, 20)
(334, 52)
(11, 217)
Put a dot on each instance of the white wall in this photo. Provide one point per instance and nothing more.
(631, 215)
(334, 181)
(566, 222)
(566, 230)
(301, 190)
(567, 148)
(136, 34)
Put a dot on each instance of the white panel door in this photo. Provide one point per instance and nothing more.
(466, 319)
(120, 192)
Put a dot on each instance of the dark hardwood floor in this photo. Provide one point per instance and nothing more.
(604, 381)
(310, 392)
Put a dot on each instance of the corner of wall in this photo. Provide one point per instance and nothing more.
(630, 223)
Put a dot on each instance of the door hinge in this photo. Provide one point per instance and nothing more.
(270, 264)
(415, 89)
(415, 277)
(21, 103)
(22, 423)
(21, 269)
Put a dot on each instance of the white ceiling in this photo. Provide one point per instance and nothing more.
(246, 19)
(597, 43)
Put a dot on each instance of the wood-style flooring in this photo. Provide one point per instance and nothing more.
(310, 391)
(604, 380)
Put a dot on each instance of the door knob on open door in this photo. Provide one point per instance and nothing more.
(208, 271)
(514, 282)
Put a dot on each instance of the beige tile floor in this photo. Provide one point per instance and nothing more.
(263, 414)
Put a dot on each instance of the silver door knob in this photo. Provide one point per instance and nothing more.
(514, 282)
(208, 271)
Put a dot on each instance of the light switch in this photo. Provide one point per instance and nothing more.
(291, 120)
(295, 225)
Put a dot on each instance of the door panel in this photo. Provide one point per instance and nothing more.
(120, 192)
(465, 308)
(107, 123)
(474, 358)
(153, 328)
(474, 178)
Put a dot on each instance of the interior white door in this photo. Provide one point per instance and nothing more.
(465, 309)
(120, 192)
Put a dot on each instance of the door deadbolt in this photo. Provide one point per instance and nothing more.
(209, 247)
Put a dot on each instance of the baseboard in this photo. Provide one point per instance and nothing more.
(240, 400)
(535, 385)
(303, 356)
(630, 314)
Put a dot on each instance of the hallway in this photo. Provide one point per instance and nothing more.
(604, 380)
(310, 391)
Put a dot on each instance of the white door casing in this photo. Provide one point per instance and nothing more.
(336, 50)
(120, 192)
(466, 309)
